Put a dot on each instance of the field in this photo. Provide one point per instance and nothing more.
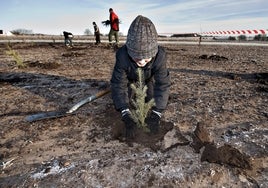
(214, 131)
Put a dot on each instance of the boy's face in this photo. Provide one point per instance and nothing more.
(142, 62)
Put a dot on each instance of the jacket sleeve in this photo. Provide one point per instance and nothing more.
(119, 86)
(162, 81)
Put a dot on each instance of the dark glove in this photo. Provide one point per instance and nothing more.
(130, 124)
(153, 121)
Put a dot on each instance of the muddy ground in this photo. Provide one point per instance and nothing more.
(214, 132)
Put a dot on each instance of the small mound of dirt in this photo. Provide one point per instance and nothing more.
(150, 140)
(223, 155)
(48, 65)
(72, 54)
(213, 57)
(262, 89)
(200, 137)
(153, 141)
(226, 155)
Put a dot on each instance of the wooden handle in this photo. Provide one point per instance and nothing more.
(101, 93)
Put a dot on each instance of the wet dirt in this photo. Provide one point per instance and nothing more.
(213, 133)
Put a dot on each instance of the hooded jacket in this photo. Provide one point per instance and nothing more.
(125, 73)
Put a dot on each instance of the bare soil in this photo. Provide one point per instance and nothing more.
(214, 132)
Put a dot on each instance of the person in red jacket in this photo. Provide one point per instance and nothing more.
(114, 24)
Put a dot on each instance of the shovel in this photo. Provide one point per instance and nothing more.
(56, 114)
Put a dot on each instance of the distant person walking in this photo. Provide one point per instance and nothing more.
(68, 38)
(96, 33)
(199, 40)
(114, 27)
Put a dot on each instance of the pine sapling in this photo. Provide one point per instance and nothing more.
(141, 108)
(15, 56)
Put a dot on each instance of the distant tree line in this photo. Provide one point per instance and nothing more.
(30, 32)
(22, 32)
(88, 32)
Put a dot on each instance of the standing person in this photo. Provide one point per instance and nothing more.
(68, 39)
(140, 51)
(114, 27)
(96, 33)
(199, 40)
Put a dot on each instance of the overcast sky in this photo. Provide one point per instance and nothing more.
(181, 16)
